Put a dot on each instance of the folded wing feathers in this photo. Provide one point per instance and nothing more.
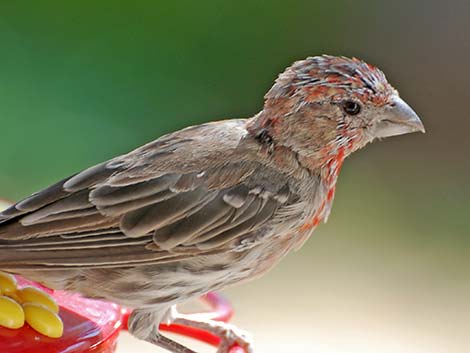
(74, 202)
(147, 219)
(89, 177)
(106, 195)
(185, 229)
(134, 205)
(241, 229)
(67, 223)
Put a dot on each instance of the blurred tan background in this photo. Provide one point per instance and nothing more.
(83, 81)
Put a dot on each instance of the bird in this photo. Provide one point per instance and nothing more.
(208, 206)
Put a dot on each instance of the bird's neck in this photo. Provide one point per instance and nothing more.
(328, 175)
(321, 152)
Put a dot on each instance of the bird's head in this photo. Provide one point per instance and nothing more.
(325, 105)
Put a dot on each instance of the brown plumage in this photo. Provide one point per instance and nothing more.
(208, 206)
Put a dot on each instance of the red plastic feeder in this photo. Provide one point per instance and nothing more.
(89, 326)
(93, 326)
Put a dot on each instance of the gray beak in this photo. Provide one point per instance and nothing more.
(398, 119)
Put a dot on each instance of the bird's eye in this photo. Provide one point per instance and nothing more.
(351, 108)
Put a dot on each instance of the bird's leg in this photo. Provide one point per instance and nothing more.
(144, 325)
(228, 334)
(169, 344)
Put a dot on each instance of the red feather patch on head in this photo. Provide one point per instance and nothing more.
(324, 77)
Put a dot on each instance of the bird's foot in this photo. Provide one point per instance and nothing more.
(231, 335)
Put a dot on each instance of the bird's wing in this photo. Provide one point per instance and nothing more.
(179, 196)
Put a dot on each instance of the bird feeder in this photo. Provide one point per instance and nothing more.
(93, 326)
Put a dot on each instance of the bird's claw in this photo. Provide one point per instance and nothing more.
(232, 336)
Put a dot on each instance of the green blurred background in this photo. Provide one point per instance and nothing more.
(82, 81)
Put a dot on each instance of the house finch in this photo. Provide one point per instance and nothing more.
(208, 206)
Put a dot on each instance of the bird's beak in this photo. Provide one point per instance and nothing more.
(398, 119)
